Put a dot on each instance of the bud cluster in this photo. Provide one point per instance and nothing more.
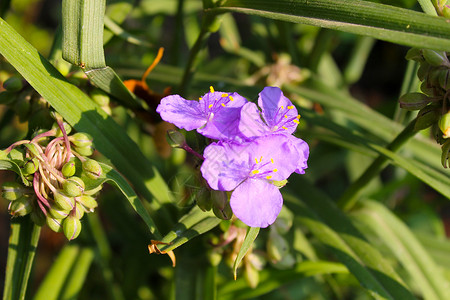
(59, 178)
(433, 100)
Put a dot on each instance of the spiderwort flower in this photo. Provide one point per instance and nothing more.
(278, 115)
(248, 168)
(215, 115)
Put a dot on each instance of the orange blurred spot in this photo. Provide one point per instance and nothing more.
(152, 248)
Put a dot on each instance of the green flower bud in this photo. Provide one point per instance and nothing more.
(444, 125)
(12, 190)
(7, 98)
(446, 11)
(88, 202)
(84, 151)
(20, 207)
(204, 199)
(57, 213)
(13, 84)
(221, 205)
(175, 139)
(79, 211)
(71, 227)
(3, 155)
(99, 97)
(30, 166)
(427, 89)
(414, 54)
(444, 79)
(38, 217)
(445, 157)
(22, 106)
(59, 133)
(433, 77)
(426, 117)
(413, 101)
(68, 170)
(277, 246)
(54, 224)
(63, 201)
(81, 139)
(435, 58)
(92, 169)
(73, 186)
(93, 191)
(423, 70)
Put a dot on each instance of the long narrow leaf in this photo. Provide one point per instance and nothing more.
(389, 23)
(252, 233)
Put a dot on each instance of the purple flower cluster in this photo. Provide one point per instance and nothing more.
(255, 147)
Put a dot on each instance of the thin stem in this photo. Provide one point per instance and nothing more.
(351, 195)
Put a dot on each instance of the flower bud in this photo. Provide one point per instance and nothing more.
(423, 70)
(427, 89)
(175, 139)
(92, 169)
(57, 213)
(7, 98)
(17, 155)
(446, 11)
(445, 157)
(59, 133)
(277, 246)
(413, 101)
(12, 190)
(79, 211)
(69, 168)
(63, 201)
(251, 275)
(426, 117)
(434, 58)
(54, 224)
(221, 205)
(13, 84)
(88, 202)
(71, 227)
(414, 54)
(84, 151)
(38, 217)
(20, 207)
(444, 125)
(73, 186)
(22, 106)
(81, 139)
(30, 166)
(204, 200)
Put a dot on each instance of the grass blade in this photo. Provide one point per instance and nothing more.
(252, 233)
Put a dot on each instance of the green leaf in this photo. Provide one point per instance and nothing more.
(192, 224)
(83, 46)
(384, 22)
(12, 166)
(21, 251)
(78, 275)
(252, 233)
(320, 214)
(83, 114)
(401, 241)
(53, 282)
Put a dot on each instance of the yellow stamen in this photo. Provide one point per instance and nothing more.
(260, 159)
(224, 95)
(209, 106)
(282, 107)
(231, 98)
(268, 177)
(200, 98)
(255, 171)
(271, 160)
(223, 105)
(290, 107)
(296, 121)
(298, 117)
(211, 89)
(284, 127)
(256, 160)
(275, 170)
(286, 116)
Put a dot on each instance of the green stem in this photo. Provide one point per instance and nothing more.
(351, 195)
(321, 46)
(410, 84)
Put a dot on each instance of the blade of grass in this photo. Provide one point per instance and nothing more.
(22, 247)
(78, 275)
(252, 233)
(384, 22)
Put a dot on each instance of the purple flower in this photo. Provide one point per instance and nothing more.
(248, 169)
(277, 115)
(216, 115)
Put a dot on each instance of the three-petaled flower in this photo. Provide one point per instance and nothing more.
(255, 148)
